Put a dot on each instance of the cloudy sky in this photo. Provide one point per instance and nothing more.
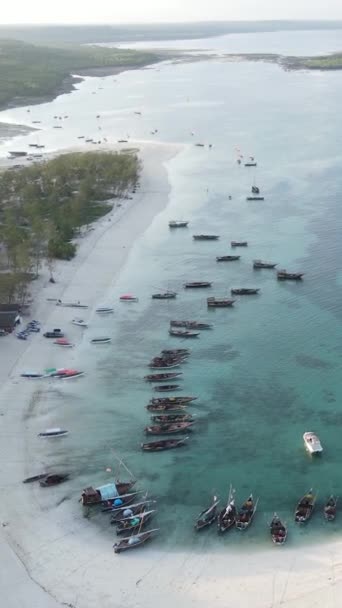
(137, 11)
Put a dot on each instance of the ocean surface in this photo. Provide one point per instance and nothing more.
(271, 367)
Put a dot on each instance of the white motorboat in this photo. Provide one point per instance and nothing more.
(312, 443)
(57, 432)
(105, 310)
(79, 322)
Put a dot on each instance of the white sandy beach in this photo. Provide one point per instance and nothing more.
(53, 560)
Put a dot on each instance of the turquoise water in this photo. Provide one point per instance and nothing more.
(271, 367)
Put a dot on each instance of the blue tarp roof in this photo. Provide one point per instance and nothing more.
(108, 491)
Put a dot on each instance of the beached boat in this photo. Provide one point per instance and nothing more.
(71, 304)
(283, 275)
(197, 284)
(305, 507)
(179, 333)
(227, 258)
(244, 291)
(105, 310)
(278, 530)
(104, 340)
(168, 418)
(178, 224)
(64, 342)
(330, 508)
(312, 443)
(53, 479)
(109, 493)
(171, 428)
(227, 517)
(219, 302)
(239, 243)
(163, 444)
(245, 515)
(134, 541)
(63, 373)
(205, 237)
(162, 377)
(53, 433)
(166, 295)
(167, 388)
(134, 522)
(128, 298)
(32, 375)
(257, 264)
(191, 324)
(208, 516)
(79, 322)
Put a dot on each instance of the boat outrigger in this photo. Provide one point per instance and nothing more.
(208, 516)
(305, 507)
(278, 530)
(245, 515)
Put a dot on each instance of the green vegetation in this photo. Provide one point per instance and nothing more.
(328, 62)
(42, 208)
(29, 71)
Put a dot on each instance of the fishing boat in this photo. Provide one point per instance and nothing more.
(167, 388)
(128, 298)
(162, 364)
(227, 258)
(245, 515)
(171, 428)
(53, 479)
(168, 418)
(104, 340)
(180, 399)
(227, 517)
(120, 502)
(53, 433)
(32, 375)
(121, 513)
(251, 163)
(330, 508)
(71, 304)
(134, 522)
(178, 224)
(179, 333)
(109, 493)
(162, 377)
(17, 153)
(191, 324)
(219, 302)
(257, 264)
(163, 444)
(239, 243)
(64, 342)
(208, 516)
(166, 407)
(305, 507)
(278, 530)
(166, 295)
(283, 275)
(205, 237)
(79, 322)
(105, 310)
(244, 291)
(176, 351)
(134, 541)
(312, 443)
(34, 478)
(197, 284)
(199, 145)
(255, 198)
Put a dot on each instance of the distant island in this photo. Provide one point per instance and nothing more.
(323, 62)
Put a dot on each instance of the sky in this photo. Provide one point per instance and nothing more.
(147, 11)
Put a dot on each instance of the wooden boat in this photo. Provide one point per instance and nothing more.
(177, 351)
(164, 444)
(120, 502)
(52, 433)
(283, 275)
(32, 375)
(245, 515)
(64, 342)
(257, 264)
(181, 399)
(53, 479)
(255, 198)
(34, 478)
(105, 310)
(162, 377)
(166, 388)
(121, 513)
(197, 284)
(134, 522)
(239, 244)
(278, 531)
(104, 340)
(171, 428)
(164, 364)
(330, 508)
(128, 298)
(305, 507)
(109, 493)
(178, 333)
(166, 407)
(166, 295)
(227, 258)
(219, 302)
(205, 237)
(208, 516)
(134, 541)
(312, 443)
(244, 291)
(227, 517)
(178, 224)
(251, 163)
(167, 418)
(191, 324)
